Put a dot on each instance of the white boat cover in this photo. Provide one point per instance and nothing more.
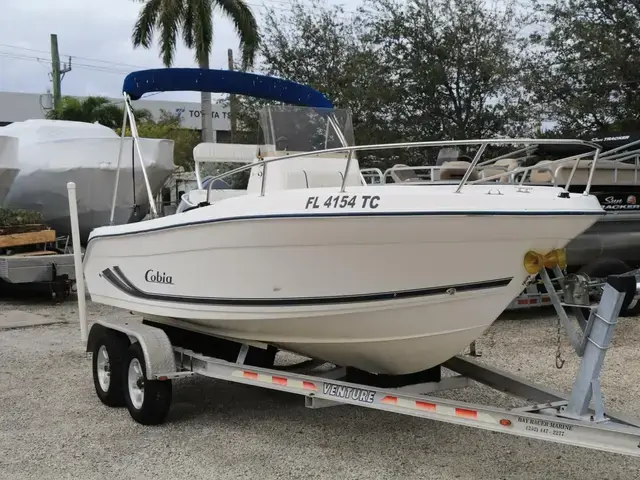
(54, 152)
(8, 164)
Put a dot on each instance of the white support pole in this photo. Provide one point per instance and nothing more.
(115, 187)
(136, 137)
(198, 175)
(77, 260)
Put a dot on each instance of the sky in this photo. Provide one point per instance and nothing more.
(97, 35)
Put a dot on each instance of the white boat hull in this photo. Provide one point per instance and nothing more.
(9, 168)
(388, 289)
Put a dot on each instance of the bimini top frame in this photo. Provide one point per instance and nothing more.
(136, 84)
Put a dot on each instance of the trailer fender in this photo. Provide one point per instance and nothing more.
(158, 352)
(97, 331)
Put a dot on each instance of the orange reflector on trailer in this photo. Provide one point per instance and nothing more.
(309, 386)
(279, 380)
(505, 422)
(464, 413)
(250, 375)
(390, 400)
(426, 406)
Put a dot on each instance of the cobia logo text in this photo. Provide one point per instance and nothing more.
(153, 276)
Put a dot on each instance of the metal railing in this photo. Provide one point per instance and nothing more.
(444, 143)
(350, 150)
(617, 160)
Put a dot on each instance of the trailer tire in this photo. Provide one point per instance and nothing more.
(602, 268)
(107, 364)
(148, 401)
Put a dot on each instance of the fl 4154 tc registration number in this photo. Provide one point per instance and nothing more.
(344, 201)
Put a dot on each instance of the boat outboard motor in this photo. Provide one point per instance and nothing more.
(218, 184)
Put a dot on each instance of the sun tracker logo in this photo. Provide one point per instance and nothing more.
(620, 203)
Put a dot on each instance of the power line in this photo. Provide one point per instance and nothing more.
(85, 66)
(138, 67)
(66, 55)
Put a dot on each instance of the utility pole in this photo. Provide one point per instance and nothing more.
(232, 100)
(57, 73)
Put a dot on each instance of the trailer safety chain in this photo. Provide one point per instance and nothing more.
(559, 360)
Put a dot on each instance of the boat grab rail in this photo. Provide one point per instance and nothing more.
(371, 171)
(507, 173)
(573, 158)
(441, 143)
(604, 159)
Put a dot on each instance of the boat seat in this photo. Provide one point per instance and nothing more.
(402, 176)
(500, 166)
(455, 170)
(538, 175)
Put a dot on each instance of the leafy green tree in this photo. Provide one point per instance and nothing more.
(168, 127)
(584, 73)
(456, 64)
(93, 109)
(193, 19)
(324, 47)
(422, 70)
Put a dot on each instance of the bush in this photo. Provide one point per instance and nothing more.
(10, 217)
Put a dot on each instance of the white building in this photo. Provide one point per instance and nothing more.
(16, 107)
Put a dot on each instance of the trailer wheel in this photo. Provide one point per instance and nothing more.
(148, 401)
(604, 267)
(108, 364)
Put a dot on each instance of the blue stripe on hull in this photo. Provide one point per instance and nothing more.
(117, 278)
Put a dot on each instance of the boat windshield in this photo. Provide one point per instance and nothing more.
(289, 128)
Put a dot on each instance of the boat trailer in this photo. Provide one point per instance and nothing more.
(134, 363)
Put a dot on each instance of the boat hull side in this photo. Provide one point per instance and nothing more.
(389, 294)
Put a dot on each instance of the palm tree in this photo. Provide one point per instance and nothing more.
(194, 20)
(93, 109)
